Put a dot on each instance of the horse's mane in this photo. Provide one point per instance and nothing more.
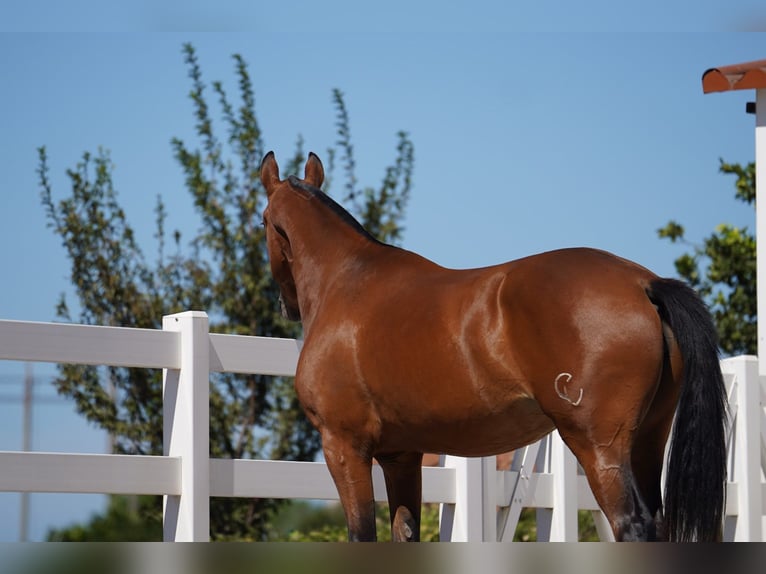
(335, 207)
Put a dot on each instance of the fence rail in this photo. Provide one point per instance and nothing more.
(478, 501)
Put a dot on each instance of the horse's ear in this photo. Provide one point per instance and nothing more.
(314, 174)
(269, 172)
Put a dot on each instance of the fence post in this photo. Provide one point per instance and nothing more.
(747, 452)
(472, 518)
(489, 489)
(186, 424)
(565, 504)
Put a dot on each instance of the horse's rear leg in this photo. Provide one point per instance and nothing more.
(647, 461)
(649, 447)
(402, 472)
(351, 471)
(610, 475)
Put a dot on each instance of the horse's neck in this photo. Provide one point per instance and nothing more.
(322, 254)
(327, 231)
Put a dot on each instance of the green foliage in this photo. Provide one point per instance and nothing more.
(745, 184)
(223, 270)
(723, 270)
(327, 524)
(123, 521)
(380, 208)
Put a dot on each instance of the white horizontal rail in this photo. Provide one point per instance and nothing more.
(88, 345)
(89, 473)
(142, 348)
(308, 480)
(270, 479)
(136, 474)
(254, 355)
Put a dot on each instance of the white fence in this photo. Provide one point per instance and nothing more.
(478, 502)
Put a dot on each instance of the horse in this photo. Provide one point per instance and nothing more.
(402, 357)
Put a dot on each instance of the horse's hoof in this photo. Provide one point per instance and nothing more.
(403, 528)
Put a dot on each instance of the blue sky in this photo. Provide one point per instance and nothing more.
(528, 136)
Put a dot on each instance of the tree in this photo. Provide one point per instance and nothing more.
(120, 523)
(723, 270)
(223, 270)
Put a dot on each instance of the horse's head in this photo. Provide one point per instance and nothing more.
(276, 221)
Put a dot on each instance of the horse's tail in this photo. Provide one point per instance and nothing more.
(695, 484)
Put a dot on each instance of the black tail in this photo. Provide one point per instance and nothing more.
(695, 485)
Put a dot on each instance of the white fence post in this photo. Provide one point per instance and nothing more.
(489, 493)
(747, 451)
(186, 424)
(760, 222)
(564, 470)
(473, 516)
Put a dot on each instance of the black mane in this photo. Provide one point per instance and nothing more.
(335, 207)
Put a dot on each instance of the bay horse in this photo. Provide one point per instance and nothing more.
(402, 356)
